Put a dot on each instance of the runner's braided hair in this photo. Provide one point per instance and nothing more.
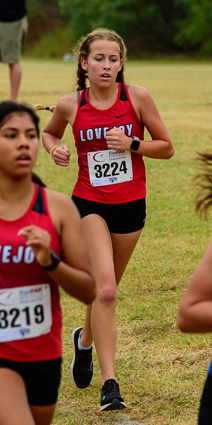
(82, 50)
(39, 107)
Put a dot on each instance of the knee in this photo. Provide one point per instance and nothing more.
(108, 295)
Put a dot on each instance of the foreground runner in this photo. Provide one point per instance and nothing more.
(195, 313)
(108, 121)
(41, 247)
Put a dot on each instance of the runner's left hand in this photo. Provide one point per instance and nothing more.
(116, 139)
(40, 242)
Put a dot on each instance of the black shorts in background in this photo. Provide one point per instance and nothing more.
(120, 218)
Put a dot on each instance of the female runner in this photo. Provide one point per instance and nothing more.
(195, 312)
(41, 247)
(108, 121)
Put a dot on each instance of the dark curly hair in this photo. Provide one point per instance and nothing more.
(10, 107)
(203, 184)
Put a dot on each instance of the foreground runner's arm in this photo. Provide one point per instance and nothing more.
(195, 312)
(73, 273)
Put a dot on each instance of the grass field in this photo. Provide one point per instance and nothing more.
(160, 371)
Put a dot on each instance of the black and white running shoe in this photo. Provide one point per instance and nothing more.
(81, 369)
(110, 396)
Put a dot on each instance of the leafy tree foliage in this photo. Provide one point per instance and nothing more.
(194, 28)
(168, 26)
(144, 24)
(44, 17)
(42, 8)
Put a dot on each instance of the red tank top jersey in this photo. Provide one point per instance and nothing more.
(89, 131)
(19, 267)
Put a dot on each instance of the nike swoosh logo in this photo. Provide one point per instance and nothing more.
(120, 115)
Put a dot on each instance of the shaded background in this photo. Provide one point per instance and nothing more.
(149, 27)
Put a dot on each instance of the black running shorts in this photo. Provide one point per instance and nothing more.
(42, 379)
(120, 218)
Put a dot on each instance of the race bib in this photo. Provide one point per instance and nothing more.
(25, 312)
(109, 167)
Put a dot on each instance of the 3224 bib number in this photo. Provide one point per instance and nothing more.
(109, 167)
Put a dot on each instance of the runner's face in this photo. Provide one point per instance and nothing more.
(103, 62)
(19, 145)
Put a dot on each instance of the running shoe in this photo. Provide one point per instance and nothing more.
(110, 396)
(81, 369)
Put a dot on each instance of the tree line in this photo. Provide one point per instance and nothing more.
(147, 26)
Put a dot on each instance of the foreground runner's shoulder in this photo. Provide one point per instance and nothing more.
(58, 199)
(61, 203)
(61, 209)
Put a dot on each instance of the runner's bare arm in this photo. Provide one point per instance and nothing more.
(64, 113)
(160, 147)
(195, 312)
(74, 273)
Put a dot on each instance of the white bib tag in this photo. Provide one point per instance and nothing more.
(109, 167)
(25, 312)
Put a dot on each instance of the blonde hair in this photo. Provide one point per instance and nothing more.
(82, 50)
(40, 107)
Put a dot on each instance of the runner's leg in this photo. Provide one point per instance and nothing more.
(43, 415)
(102, 319)
(123, 247)
(14, 407)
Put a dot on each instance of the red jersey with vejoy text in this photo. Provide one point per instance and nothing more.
(101, 178)
(23, 310)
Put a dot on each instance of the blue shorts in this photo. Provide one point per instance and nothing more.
(205, 410)
(42, 379)
(120, 218)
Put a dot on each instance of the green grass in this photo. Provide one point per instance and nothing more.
(161, 371)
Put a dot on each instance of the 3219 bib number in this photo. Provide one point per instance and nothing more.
(10, 318)
(25, 312)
